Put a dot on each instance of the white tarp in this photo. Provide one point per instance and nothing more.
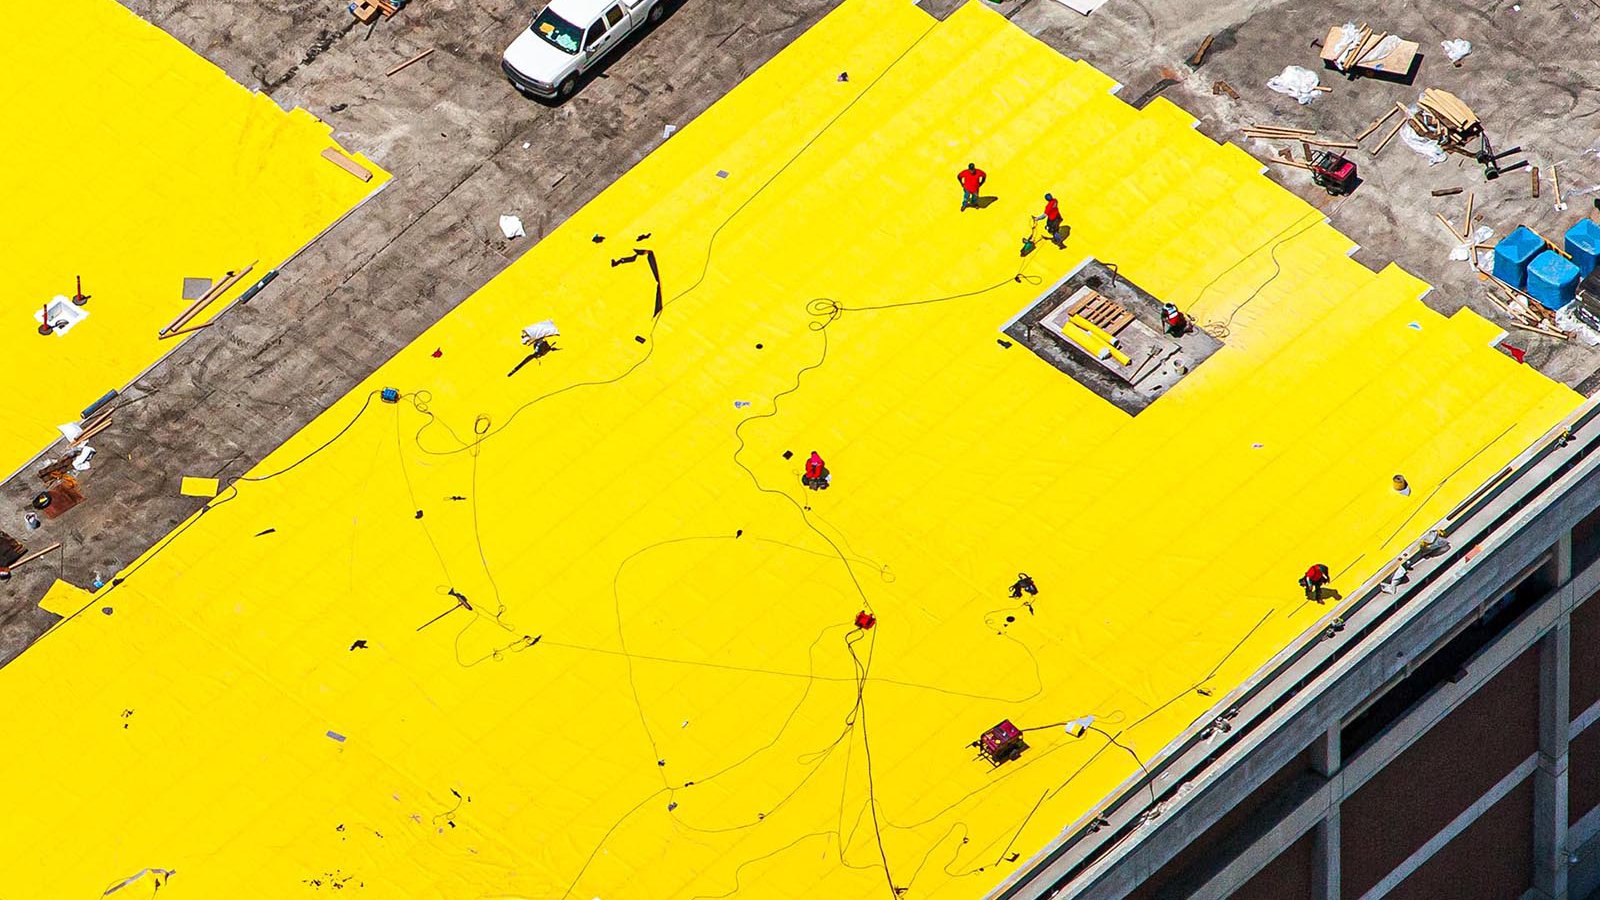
(1082, 6)
(1296, 81)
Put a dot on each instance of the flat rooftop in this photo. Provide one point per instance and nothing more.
(579, 631)
(134, 163)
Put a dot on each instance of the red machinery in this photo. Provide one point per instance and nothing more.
(1334, 172)
(1001, 743)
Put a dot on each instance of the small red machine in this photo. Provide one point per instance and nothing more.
(1001, 743)
(1334, 172)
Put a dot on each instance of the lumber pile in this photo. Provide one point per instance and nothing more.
(1364, 44)
(1302, 135)
(1441, 116)
(1525, 312)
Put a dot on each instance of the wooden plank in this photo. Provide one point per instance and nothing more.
(1279, 128)
(1392, 132)
(1466, 223)
(1533, 175)
(1089, 297)
(1120, 322)
(1455, 235)
(1409, 117)
(89, 433)
(35, 555)
(198, 306)
(418, 58)
(1397, 62)
(347, 164)
(1368, 46)
(1105, 313)
(1200, 54)
(1376, 124)
(1350, 56)
(1329, 42)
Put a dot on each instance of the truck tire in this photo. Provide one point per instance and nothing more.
(567, 87)
(658, 12)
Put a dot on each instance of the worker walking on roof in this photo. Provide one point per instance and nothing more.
(971, 179)
(1051, 217)
(816, 475)
(1313, 580)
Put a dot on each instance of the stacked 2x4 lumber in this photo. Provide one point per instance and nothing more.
(1303, 135)
(1449, 109)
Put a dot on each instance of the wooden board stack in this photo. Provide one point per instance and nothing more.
(1444, 118)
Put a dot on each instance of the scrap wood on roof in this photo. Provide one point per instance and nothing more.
(1353, 50)
(1444, 118)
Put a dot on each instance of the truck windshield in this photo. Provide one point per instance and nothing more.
(558, 32)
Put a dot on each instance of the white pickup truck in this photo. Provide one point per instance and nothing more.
(570, 37)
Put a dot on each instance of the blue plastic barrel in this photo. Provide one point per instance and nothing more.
(1552, 279)
(1513, 254)
(1583, 245)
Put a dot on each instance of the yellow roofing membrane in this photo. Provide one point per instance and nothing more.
(134, 163)
(659, 690)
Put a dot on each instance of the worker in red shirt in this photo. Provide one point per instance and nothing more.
(971, 179)
(1173, 319)
(1052, 220)
(816, 475)
(1313, 580)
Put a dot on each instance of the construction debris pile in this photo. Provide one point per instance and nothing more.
(1442, 117)
(1353, 50)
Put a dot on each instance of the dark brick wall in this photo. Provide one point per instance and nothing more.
(1440, 775)
(1585, 656)
(1583, 774)
(1491, 860)
(1288, 877)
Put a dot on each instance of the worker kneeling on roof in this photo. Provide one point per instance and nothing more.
(816, 475)
(1173, 319)
(1314, 580)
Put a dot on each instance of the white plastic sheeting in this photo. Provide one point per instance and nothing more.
(1299, 83)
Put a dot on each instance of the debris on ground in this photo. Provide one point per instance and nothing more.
(1427, 148)
(1456, 49)
(1303, 135)
(415, 59)
(1445, 118)
(1353, 50)
(511, 227)
(1297, 82)
(1530, 279)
